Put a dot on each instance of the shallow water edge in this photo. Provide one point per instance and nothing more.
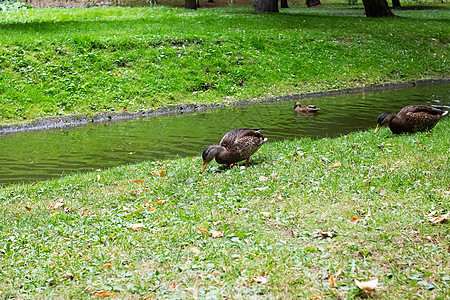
(104, 117)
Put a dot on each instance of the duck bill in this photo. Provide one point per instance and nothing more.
(203, 167)
(378, 128)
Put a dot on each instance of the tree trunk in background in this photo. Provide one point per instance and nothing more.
(284, 4)
(377, 9)
(190, 4)
(266, 5)
(311, 3)
(396, 3)
(210, 1)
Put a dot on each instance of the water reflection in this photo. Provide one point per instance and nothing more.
(41, 155)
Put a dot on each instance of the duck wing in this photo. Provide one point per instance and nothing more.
(237, 136)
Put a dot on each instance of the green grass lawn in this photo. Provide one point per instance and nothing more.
(65, 61)
(357, 207)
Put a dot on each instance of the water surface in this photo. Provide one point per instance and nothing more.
(41, 155)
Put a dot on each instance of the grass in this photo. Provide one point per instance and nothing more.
(357, 205)
(65, 61)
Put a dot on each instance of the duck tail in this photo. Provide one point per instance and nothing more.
(445, 112)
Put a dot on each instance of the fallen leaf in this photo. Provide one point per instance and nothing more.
(203, 231)
(315, 297)
(261, 279)
(263, 178)
(355, 219)
(439, 219)
(336, 164)
(106, 266)
(65, 240)
(266, 214)
(137, 180)
(367, 285)
(103, 294)
(69, 276)
(152, 208)
(194, 250)
(27, 208)
(216, 233)
(367, 180)
(382, 192)
(137, 226)
(162, 171)
(58, 205)
(332, 281)
(160, 201)
(261, 188)
(217, 223)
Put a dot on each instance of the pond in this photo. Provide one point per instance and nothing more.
(41, 155)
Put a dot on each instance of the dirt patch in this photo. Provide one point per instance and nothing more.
(104, 117)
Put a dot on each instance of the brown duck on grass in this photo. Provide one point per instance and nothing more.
(305, 108)
(411, 118)
(235, 146)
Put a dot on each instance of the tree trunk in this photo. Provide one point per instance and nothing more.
(377, 9)
(266, 5)
(396, 3)
(284, 4)
(210, 1)
(190, 4)
(311, 3)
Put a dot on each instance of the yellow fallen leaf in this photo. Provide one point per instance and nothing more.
(106, 266)
(203, 231)
(137, 180)
(137, 226)
(266, 214)
(152, 208)
(354, 219)
(336, 164)
(367, 180)
(315, 297)
(65, 240)
(261, 279)
(103, 294)
(332, 281)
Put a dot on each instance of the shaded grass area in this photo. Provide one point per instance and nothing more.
(65, 61)
(357, 205)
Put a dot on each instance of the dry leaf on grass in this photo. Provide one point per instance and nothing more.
(261, 279)
(106, 266)
(194, 250)
(137, 180)
(203, 230)
(266, 214)
(103, 294)
(315, 296)
(368, 286)
(439, 219)
(216, 233)
(137, 226)
(336, 164)
(354, 220)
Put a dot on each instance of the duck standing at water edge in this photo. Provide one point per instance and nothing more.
(305, 108)
(235, 146)
(411, 118)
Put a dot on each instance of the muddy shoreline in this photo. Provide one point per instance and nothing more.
(105, 117)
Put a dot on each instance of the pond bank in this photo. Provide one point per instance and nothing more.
(103, 117)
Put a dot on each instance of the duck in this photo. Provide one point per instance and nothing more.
(305, 108)
(411, 118)
(236, 145)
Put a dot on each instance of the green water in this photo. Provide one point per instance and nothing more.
(41, 155)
